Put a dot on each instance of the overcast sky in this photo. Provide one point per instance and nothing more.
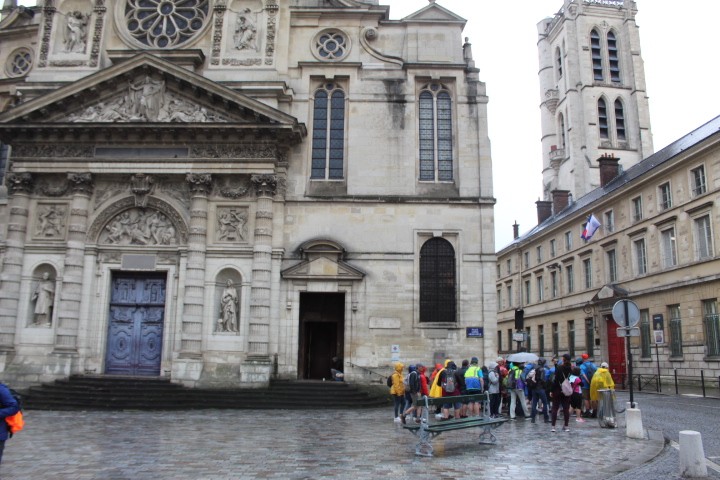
(681, 66)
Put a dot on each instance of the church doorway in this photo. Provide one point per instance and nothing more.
(616, 352)
(136, 319)
(322, 333)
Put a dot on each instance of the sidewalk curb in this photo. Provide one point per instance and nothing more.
(656, 444)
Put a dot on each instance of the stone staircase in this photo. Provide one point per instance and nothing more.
(93, 392)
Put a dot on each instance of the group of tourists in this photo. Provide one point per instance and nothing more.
(516, 389)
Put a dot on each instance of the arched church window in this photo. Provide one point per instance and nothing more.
(436, 143)
(328, 143)
(603, 119)
(437, 281)
(613, 57)
(620, 120)
(596, 53)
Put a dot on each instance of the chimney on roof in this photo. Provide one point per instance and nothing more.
(609, 168)
(516, 230)
(544, 210)
(560, 200)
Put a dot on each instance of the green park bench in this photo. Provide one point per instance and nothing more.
(430, 427)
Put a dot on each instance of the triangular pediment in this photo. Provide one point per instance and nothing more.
(146, 89)
(434, 13)
(323, 268)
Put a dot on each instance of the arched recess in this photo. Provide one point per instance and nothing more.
(228, 301)
(42, 296)
(123, 223)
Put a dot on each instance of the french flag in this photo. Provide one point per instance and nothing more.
(590, 227)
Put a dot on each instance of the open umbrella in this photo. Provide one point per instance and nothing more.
(522, 357)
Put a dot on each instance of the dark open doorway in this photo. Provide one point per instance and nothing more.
(322, 330)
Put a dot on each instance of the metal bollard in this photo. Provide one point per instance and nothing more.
(606, 415)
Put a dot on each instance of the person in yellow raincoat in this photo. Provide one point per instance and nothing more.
(436, 387)
(397, 390)
(600, 381)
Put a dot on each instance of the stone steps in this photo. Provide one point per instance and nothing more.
(92, 392)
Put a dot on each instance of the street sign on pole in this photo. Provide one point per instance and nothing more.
(628, 332)
(633, 313)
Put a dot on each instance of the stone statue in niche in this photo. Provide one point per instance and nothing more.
(228, 309)
(43, 296)
(75, 38)
(140, 227)
(50, 222)
(232, 225)
(245, 37)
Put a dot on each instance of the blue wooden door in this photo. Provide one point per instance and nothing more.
(137, 310)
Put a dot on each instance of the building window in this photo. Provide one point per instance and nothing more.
(509, 296)
(558, 63)
(331, 45)
(665, 196)
(609, 225)
(328, 147)
(19, 62)
(613, 58)
(553, 249)
(637, 209)
(698, 185)
(612, 266)
(499, 340)
(538, 249)
(644, 334)
(571, 337)
(497, 273)
(669, 247)
(570, 278)
(555, 339)
(165, 24)
(603, 120)
(527, 292)
(508, 264)
(589, 336)
(568, 241)
(526, 259)
(499, 299)
(540, 288)
(553, 284)
(528, 341)
(510, 338)
(587, 273)
(541, 340)
(676, 348)
(596, 52)
(436, 149)
(561, 117)
(640, 256)
(711, 320)
(437, 281)
(620, 121)
(703, 238)
(3, 161)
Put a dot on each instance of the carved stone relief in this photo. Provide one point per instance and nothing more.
(244, 33)
(139, 227)
(141, 185)
(75, 32)
(146, 100)
(54, 151)
(231, 224)
(50, 222)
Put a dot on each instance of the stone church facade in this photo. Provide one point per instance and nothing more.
(226, 192)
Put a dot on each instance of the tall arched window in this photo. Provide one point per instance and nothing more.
(596, 52)
(437, 281)
(328, 147)
(561, 120)
(436, 150)
(613, 58)
(558, 63)
(603, 119)
(619, 120)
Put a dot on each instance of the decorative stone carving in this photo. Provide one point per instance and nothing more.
(231, 224)
(233, 151)
(141, 186)
(146, 97)
(53, 151)
(272, 9)
(246, 32)
(49, 16)
(139, 227)
(200, 183)
(81, 183)
(236, 192)
(50, 222)
(265, 185)
(220, 9)
(228, 321)
(19, 183)
(44, 297)
(76, 31)
(97, 33)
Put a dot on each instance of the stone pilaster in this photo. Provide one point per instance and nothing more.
(20, 186)
(259, 326)
(68, 317)
(192, 320)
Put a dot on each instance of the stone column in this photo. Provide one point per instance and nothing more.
(259, 327)
(68, 317)
(20, 186)
(194, 299)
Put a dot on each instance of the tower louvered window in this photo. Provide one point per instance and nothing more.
(437, 281)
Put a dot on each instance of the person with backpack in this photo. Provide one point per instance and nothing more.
(412, 394)
(536, 383)
(463, 388)
(8, 407)
(559, 394)
(473, 385)
(397, 390)
(587, 369)
(494, 389)
(516, 387)
(449, 380)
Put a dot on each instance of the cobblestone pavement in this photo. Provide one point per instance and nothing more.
(296, 444)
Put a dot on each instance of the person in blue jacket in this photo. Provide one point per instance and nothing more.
(8, 407)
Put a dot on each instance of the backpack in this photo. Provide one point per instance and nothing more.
(413, 382)
(512, 380)
(530, 379)
(566, 387)
(389, 380)
(590, 370)
(15, 422)
(472, 378)
(449, 382)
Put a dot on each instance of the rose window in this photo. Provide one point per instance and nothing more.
(165, 23)
(19, 62)
(331, 45)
